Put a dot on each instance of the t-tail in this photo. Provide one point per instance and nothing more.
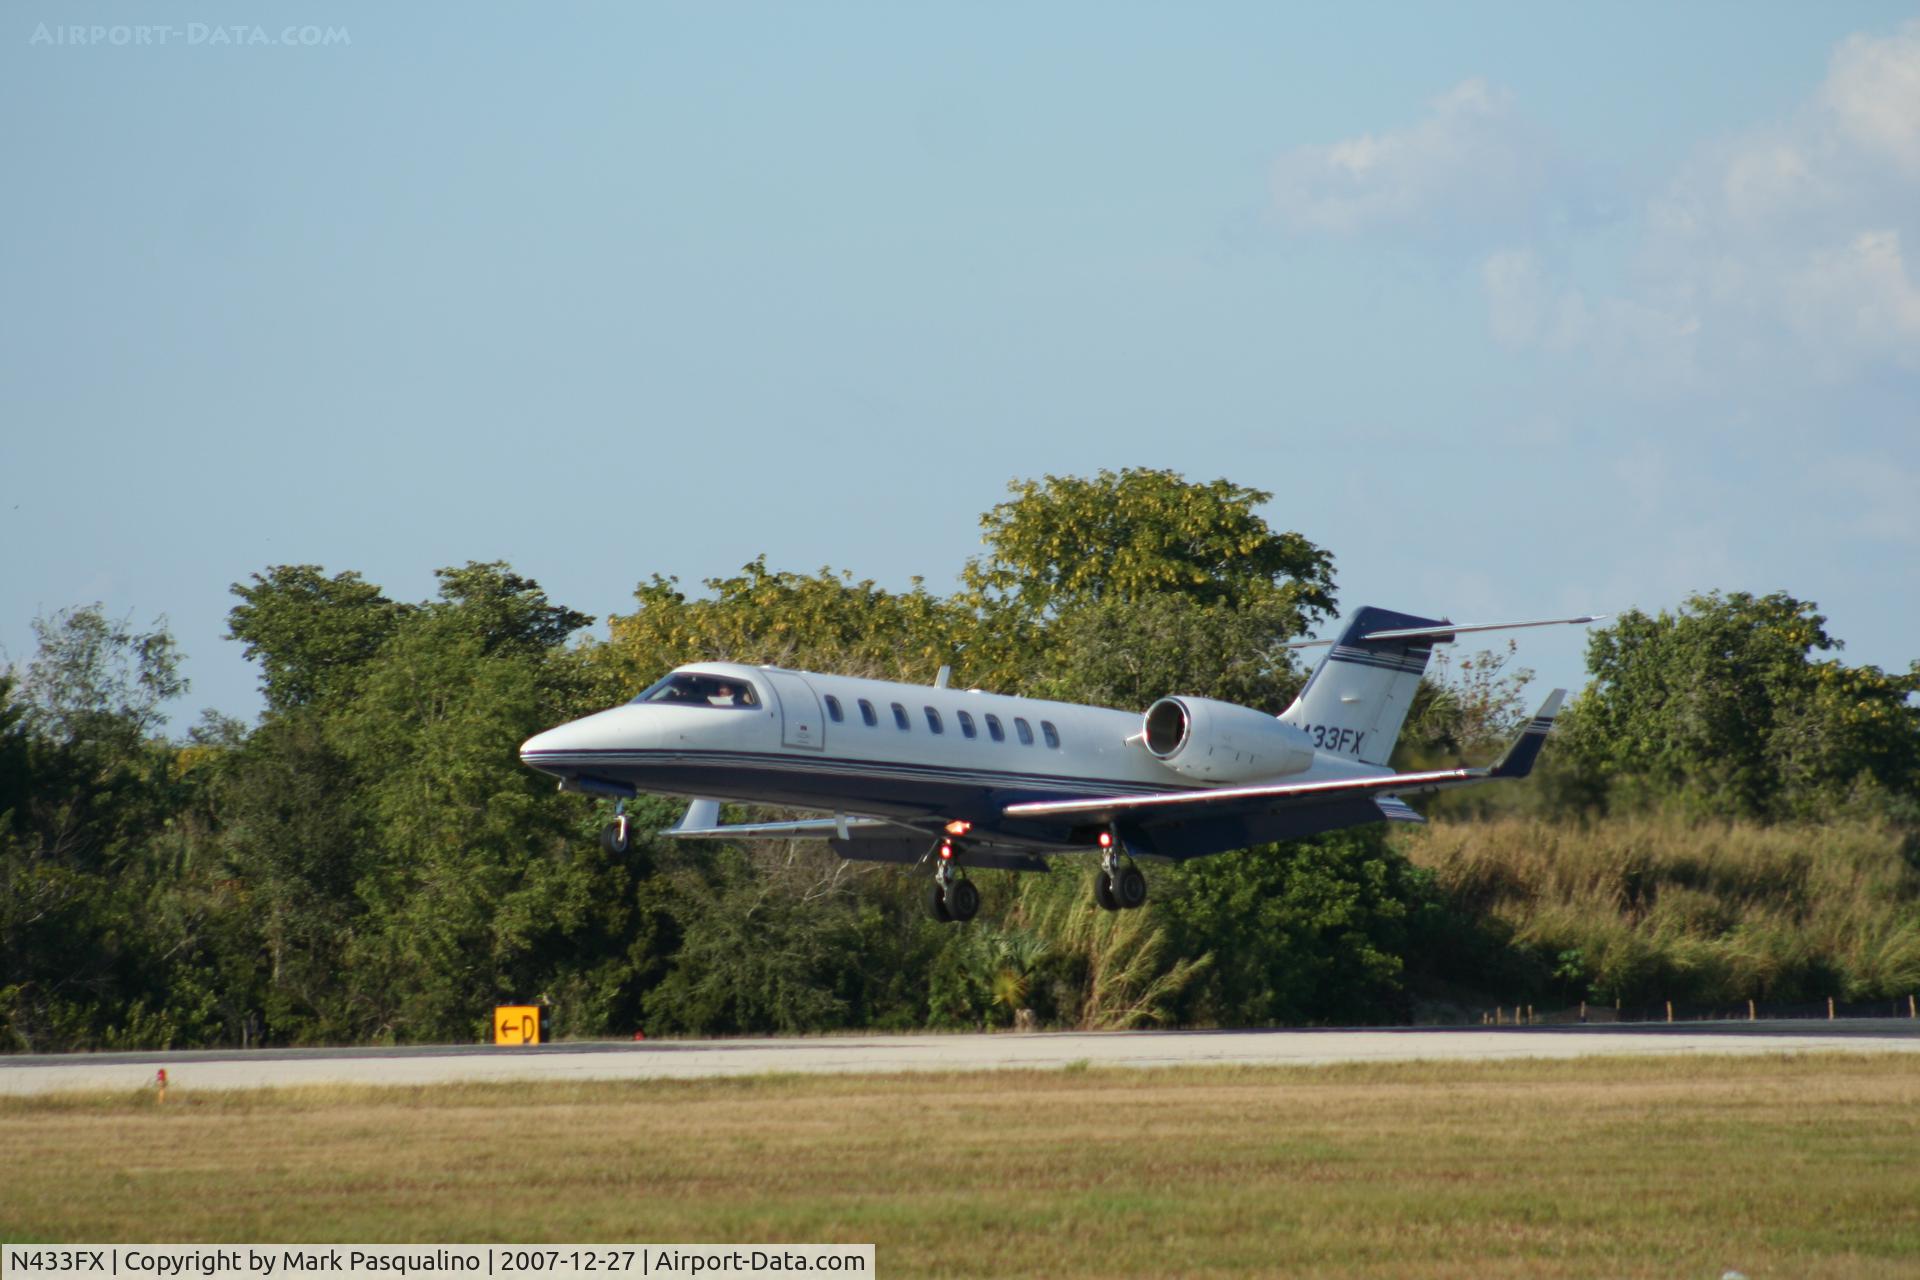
(1357, 699)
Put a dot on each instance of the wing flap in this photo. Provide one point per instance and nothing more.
(1231, 799)
(1394, 809)
(702, 822)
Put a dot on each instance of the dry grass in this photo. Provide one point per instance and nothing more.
(1777, 1166)
(1662, 908)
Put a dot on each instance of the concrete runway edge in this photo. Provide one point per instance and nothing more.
(886, 1054)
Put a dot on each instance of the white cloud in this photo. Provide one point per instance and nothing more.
(1469, 161)
(1775, 255)
(1523, 307)
(1872, 94)
(1857, 302)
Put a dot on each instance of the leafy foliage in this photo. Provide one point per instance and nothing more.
(1133, 534)
(1723, 707)
(310, 633)
(371, 861)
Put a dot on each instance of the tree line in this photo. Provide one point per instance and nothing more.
(369, 862)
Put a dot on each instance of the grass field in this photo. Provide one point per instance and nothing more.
(1804, 1167)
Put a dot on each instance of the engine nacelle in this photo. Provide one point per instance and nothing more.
(1222, 742)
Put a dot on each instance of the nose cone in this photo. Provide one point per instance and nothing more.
(540, 744)
(570, 741)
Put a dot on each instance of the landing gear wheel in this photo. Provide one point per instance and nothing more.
(962, 901)
(1103, 893)
(937, 903)
(615, 837)
(1130, 888)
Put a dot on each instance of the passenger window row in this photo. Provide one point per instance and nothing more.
(968, 729)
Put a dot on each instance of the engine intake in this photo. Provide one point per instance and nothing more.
(1221, 742)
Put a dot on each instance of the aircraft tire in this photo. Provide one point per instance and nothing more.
(614, 840)
(1130, 888)
(1103, 892)
(963, 901)
(937, 903)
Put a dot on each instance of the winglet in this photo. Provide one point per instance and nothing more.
(701, 817)
(1518, 762)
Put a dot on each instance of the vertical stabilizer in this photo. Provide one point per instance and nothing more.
(1357, 698)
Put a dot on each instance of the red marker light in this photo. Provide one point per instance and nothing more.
(946, 850)
(1106, 839)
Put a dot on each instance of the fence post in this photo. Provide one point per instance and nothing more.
(1669, 1011)
(1829, 1008)
(1750, 1014)
(1910, 1012)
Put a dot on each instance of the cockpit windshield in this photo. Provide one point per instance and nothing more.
(692, 689)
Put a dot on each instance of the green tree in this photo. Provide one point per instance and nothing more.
(1305, 931)
(1724, 706)
(296, 843)
(824, 621)
(97, 681)
(309, 633)
(1156, 584)
(1128, 653)
(478, 876)
(1137, 533)
(88, 790)
(505, 610)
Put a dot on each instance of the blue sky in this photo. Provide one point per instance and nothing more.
(1516, 311)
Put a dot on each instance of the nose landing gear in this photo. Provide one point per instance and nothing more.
(617, 836)
(950, 898)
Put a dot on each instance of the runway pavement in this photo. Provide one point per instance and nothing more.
(682, 1059)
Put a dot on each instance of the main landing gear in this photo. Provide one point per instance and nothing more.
(950, 898)
(617, 836)
(1120, 886)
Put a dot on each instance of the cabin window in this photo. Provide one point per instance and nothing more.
(1025, 731)
(994, 730)
(933, 721)
(867, 715)
(900, 716)
(966, 725)
(695, 689)
(833, 709)
(1051, 734)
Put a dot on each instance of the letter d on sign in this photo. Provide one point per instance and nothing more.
(516, 1024)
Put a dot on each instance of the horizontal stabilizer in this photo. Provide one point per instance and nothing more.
(1444, 634)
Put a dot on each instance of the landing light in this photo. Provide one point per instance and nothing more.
(959, 827)
(1106, 839)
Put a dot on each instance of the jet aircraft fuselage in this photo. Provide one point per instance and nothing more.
(965, 778)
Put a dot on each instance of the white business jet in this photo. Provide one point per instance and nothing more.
(966, 779)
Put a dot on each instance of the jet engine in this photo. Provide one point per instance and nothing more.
(1221, 742)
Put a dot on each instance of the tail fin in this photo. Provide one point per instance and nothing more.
(1357, 698)
(1518, 761)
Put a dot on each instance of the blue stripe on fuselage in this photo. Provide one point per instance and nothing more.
(891, 788)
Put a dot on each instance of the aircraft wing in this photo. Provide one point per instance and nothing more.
(702, 822)
(1232, 802)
